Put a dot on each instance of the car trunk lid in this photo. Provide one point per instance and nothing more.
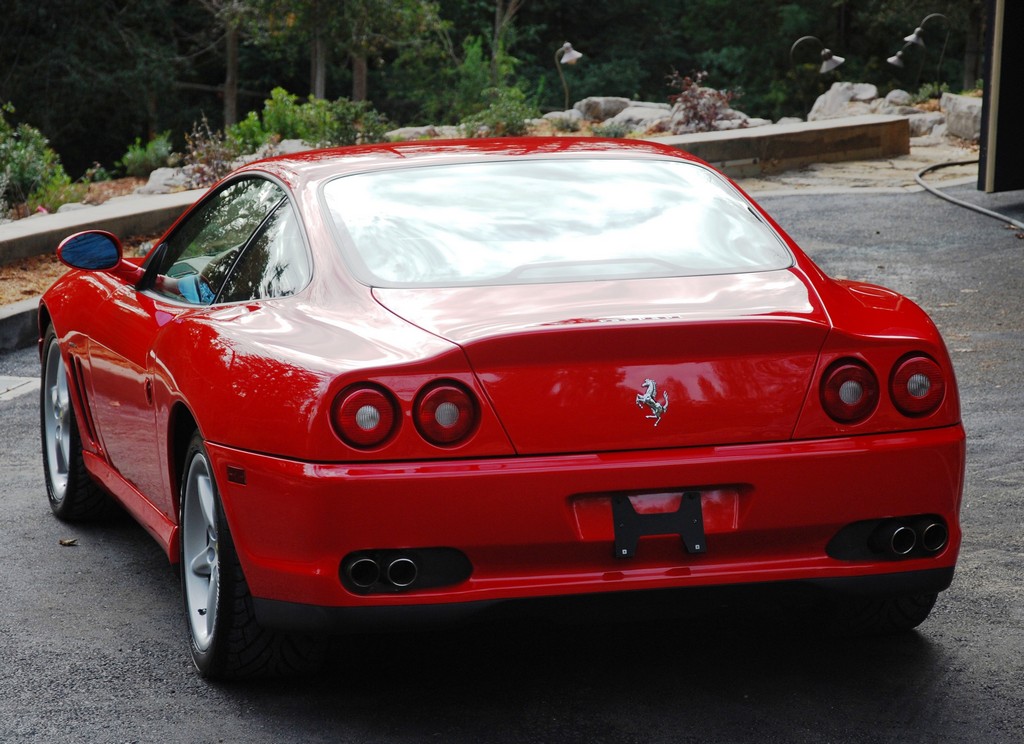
(605, 366)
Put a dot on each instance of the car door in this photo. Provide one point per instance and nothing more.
(198, 260)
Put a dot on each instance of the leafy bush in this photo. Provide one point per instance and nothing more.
(698, 107)
(929, 91)
(30, 171)
(56, 191)
(505, 116)
(141, 160)
(318, 122)
(614, 129)
(209, 155)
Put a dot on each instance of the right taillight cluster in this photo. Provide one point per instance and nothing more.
(850, 390)
(367, 416)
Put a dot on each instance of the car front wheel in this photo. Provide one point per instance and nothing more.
(72, 493)
(225, 638)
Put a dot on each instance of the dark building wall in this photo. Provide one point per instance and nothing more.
(1002, 146)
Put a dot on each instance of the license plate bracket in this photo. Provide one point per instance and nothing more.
(630, 526)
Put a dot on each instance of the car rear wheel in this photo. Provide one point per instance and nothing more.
(225, 638)
(72, 493)
(882, 615)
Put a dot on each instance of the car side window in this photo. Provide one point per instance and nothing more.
(202, 251)
(273, 264)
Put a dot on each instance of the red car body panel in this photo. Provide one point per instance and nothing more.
(557, 371)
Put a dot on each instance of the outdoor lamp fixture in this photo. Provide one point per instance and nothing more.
(896, 60)
(829, 61)
(565, 55)
(917, 38)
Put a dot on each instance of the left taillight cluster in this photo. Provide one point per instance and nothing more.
(367, 415)
(850, 390)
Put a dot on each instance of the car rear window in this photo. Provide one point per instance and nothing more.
(536, 221)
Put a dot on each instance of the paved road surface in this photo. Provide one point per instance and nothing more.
(92, 644)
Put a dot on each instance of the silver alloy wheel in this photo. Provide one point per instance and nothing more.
(57, 422)
(200, 559)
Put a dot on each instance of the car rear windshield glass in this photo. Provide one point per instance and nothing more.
(534, 221)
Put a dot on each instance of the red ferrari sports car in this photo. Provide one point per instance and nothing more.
(421, 380)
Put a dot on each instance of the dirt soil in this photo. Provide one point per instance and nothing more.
(30, 277)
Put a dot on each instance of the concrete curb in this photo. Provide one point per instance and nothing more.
(126, 215)
(18, 324)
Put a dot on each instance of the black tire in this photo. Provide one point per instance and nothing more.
(883, 615)
(225, 639)
(73, 495)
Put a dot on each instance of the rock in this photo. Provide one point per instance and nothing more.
(565, 116)
(165, 181)
(963, 115)
(843, 99)
(922, 124)
(864, 92)
(601, 108)
(790, 120)
(641, 118)
(897, 97)
(411, 133)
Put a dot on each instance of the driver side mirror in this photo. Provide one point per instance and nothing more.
(97, 250)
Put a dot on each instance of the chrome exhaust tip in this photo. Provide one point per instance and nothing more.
(363, 572)
(402, 572)
(932, 535)
(894, 538)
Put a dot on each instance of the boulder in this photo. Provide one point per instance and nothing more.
(963, 115)
(601, 108)
(642, 118)
(572, 115)
(165, 181)
(843, 99)
(897, 97)
(923, 124)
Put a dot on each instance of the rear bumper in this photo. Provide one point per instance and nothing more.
(636, 605)
(542, 526)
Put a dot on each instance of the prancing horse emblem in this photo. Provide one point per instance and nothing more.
(649, 398)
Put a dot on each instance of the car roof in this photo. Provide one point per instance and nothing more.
(319, 165)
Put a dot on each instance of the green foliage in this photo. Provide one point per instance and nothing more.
(318, 122)
(472, 77)
(141, 160)
(613, 129)
(248, 135)
(55, 191)
(928, 91)
(30, 171)
(505, 116)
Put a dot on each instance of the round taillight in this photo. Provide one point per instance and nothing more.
(445, 414)
(918, 386)
(849, 391)
(364, 416)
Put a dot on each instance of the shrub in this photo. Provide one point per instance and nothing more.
(30, 171)
(56, 191)
(141, 160)
(209, 156)
(505, 116)
(929, 91)
(698, 107)
(614, 129)
(318, 122)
